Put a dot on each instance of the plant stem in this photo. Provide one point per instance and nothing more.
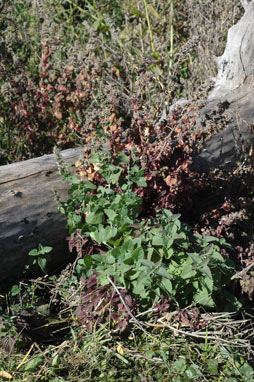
(149, 27)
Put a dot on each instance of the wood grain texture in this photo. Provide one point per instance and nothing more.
(234, 85)
(28, 211)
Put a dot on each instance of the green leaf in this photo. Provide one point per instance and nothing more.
(128, 245)
(139, 289)
(167, 285)
(141, 182)
(134, 256)
(34, 252)
(95, 218)
(174, 230)
(224, 243)
(46, 250)
(96, 24)
(103, 235)
(89, 185)
(42, 262)
(187, 270)
(196, 259)
(208, 284)
(179, 365)
(55, 361)
(124, 159)
(157, 241)
(33, 364)
(209, 239)
(111, 214)
(231, 303)
(163, 272)
(246, 370)
(136, 12)
(212, 365)
(43, 309)
(170, 251)
(206, 271)
(193, 372)
(204, 298)
(15, 290)
(148, 263)
(73, 179)
(104, 259)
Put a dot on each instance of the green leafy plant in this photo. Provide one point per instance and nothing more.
(40, 257)
(151, 258)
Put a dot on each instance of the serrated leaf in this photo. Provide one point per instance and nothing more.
(188, 272)
(111, 214)
(103, 235)
(208, 284)
(209, 239)
(195, 258)
(157, 241)
(135, 256)
(170, 242)
(42, 262)
(167, 285)
(163, 272)
(204, 298)
(34, 252)
(206, 271)
(95, 218)
(46, 250)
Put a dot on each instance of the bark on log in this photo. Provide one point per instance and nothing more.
(28, 212)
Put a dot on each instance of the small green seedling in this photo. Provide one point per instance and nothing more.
(41, 257)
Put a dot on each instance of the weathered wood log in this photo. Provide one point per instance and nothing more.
(232, 97)
(28, 212)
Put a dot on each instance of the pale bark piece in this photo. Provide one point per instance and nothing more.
(236, 64)
(29, 213)
(234, 86)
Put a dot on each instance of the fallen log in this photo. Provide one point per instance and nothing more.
(230, 103)
(28, 212)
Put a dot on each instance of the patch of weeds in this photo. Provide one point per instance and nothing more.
(150, 258)
(61, 61)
